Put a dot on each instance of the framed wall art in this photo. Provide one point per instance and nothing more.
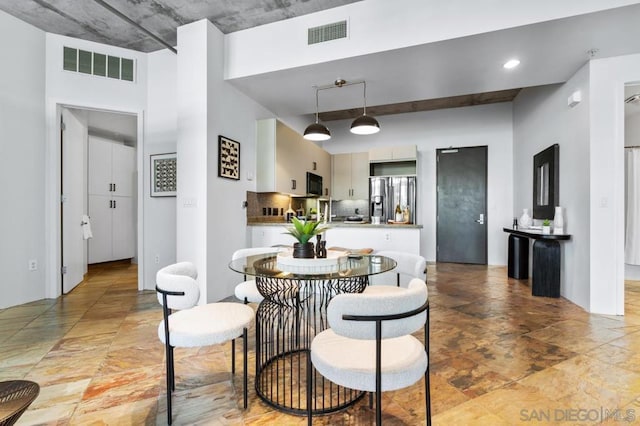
(164, 175)
(228, 158)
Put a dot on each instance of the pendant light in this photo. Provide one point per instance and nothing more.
(316, 131)
(365, 124)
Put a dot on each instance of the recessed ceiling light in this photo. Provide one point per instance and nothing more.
(512, 63)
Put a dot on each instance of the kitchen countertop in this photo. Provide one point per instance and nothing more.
(345, 225)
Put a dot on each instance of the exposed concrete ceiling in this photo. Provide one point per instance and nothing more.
(89, 20)
(445, 74)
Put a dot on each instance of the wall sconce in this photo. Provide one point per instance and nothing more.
(363, 125)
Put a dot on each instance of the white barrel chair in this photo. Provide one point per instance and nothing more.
(195, 325)
(369, 346)
(409, 266)
(247, 290)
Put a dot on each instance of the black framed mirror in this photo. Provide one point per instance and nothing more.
(546, 185)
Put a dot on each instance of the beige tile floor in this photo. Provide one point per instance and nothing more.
(498, 357)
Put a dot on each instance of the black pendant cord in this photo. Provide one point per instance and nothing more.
(135, 24)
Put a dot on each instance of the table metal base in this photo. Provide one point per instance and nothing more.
(293, 312)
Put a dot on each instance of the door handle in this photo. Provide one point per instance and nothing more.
(480, 220)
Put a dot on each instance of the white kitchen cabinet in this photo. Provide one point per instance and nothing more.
(405, 239)
(350, 179)
(321, 165)
(285, 157)
(398, 238)
(267, 236)
(112, 167)
(111, 173)
(393, 153)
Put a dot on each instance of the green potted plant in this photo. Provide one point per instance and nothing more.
(303, 231)
(546, 226)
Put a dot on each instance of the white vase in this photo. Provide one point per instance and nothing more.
(546, 229)
(558, 221)
(525, 219)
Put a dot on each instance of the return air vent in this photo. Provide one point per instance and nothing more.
(98, 64)
(327, 32)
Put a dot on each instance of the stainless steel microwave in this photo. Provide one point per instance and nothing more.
(314, 184)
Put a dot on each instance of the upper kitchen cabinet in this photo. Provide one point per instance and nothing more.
(320, 165)
(350, 176)
(393, 153)
(393, 161)
(284, 157)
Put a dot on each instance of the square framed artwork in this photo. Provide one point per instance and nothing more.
(164, 175)
(228, 158)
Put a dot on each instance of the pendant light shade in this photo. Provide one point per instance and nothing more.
(317, 132)
(365, 125)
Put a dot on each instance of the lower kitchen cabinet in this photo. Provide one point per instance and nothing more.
(113, 228)
(397, 237)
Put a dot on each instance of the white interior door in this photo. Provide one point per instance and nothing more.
(73, 140)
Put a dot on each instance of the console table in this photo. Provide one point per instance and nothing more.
(546, 259)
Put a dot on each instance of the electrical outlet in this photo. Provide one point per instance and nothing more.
(33, 265)
(387, 236)
(157, 259)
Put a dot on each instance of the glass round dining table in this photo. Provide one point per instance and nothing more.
(296, 295)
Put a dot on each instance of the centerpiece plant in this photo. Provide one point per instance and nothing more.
(303, 231)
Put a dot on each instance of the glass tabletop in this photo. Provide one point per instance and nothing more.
(347, 266)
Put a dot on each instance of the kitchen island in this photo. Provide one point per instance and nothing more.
(400, 237)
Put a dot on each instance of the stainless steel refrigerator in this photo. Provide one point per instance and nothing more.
(385, 193)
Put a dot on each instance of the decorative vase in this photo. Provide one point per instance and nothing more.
(319, 246)
(321, 250)
(525, 219)
(558, 221)
(546, 229)
(303, 251)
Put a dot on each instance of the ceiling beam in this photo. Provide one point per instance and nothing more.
(135, 24)
(424, 105)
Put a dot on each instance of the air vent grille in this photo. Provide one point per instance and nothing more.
(327, 32)
(98, 64)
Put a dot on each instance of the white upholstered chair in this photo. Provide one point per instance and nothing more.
(369, 346)
(195, 325)
(409, 266)
(247, 291)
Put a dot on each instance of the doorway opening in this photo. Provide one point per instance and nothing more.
(632, 194)
(99, 197)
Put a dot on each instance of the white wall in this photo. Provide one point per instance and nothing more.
(160, 136)
(380, 25)
(22, 161)
(213, 223)
(542, 118)
(608, 77)
(84, 91)
(488, 125)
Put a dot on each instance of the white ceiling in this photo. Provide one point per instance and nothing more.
(550, 52)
